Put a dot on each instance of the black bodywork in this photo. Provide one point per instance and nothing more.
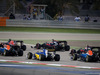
(21, 45)
(12, 51)
(59, 46)
(16, 49)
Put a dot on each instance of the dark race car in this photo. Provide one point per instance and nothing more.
(44, 55)
(10, 50)
(91, 54)
(57, 45)
(17, 43)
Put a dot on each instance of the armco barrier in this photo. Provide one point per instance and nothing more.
(52, 24)
(3, 21)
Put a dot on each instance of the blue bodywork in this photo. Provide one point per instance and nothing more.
(83, 55)
(2, 50)
(39, 53)
(9, 52)
(44, 52)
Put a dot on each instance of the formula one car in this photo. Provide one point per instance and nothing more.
(91, 54)
(9, 50)
(57, 45)
(44, 55)
(18, 43)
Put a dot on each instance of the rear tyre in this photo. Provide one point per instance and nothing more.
(23, 47)
(88, 58)
(57, 57)
(49, 58)
(20, 53)
(29, 55)
(41, 57)
(95, 57)
(67, 48)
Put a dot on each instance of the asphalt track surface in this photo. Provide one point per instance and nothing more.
(19, 69)
(48, 36)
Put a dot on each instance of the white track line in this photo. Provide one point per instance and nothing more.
(58, 65)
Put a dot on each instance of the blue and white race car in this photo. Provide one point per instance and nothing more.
(44, 55)
(89, 55)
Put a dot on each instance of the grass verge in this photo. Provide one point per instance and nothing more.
(58, 30)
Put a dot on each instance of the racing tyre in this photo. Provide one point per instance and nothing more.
(57, 57)
(99, 56)
(88, 58)
(73, 51)
(23, 47)
(5, 53)
(74, 56)
(95, 57)
(49, 58)
(67, 48)
(29, 55)
(20, 53)
(38, 46)
(41, 57)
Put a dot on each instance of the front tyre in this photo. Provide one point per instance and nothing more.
(38, 46)
(29, 55)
